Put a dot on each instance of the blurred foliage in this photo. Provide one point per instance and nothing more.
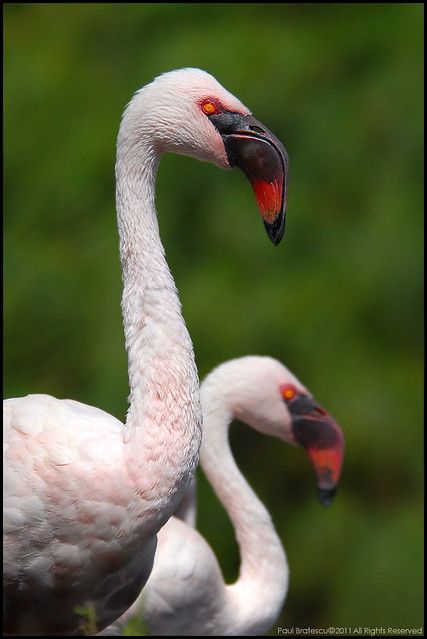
(340, 301)
(89, 614)
(134, 628)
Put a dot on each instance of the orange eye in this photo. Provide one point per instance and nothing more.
(289, 391)
(208, 108)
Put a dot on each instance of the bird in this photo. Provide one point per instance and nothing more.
(186, 593)
(85, 494)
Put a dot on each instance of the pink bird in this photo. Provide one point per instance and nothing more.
(186, 593)
(86, 495)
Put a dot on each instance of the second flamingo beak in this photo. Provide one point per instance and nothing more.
(251, 147)
(315, 430)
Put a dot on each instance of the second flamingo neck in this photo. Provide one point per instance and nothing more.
(263, 575)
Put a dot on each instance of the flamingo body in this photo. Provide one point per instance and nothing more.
(186, 593)
(51, 441)
(84, 494)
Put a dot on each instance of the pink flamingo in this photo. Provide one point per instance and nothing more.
(186, 593)
(86, 495)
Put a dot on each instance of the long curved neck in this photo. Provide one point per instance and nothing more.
(163, 427)
(256, 598)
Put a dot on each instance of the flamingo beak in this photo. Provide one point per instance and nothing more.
(315, 430)
(251, 147)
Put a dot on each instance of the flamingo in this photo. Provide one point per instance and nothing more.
(85, 495)
(186, 593)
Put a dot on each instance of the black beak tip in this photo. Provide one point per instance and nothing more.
(326, 495)
(276, 229)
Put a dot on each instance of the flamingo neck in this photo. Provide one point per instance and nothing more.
(163, 426)
(256, 598)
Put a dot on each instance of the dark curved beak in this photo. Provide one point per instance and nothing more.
(315, 430)
(262, 157)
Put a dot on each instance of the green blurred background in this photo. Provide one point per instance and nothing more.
(339, 301)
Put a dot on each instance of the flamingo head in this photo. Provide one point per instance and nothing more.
(266, 395)
(188, 112)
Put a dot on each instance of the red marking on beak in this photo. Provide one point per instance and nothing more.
(327, 463)
(269, 197)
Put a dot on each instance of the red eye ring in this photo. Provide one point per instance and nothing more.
(288, 391)
(208, 107)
